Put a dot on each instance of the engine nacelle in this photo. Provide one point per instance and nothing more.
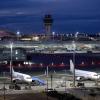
(14, 81)
(79, 78)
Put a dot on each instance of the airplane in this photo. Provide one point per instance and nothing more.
(20, 77)
(81, 74)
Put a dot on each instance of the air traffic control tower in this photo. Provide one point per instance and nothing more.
(48, 23)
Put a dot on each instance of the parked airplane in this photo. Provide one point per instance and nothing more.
(81, 74)
(16, 77)
(20, 77)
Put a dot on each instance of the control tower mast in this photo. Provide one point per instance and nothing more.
(48, 23)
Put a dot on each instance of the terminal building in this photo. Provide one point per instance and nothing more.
(36, 51)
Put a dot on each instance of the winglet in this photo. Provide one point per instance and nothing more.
(12, 70)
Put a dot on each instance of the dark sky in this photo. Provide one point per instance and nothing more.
(67, 14)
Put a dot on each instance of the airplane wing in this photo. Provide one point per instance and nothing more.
(38, 81)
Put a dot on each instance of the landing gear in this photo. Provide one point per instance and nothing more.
(15, 86)
(35, 83)
(28, 86)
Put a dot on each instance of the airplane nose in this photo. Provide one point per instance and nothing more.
(98, 76)
(30, 80)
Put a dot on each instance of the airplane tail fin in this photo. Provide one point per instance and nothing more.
(11, 68)
(45, 73)
(71, 65)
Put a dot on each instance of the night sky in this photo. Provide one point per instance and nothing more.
(69, 15)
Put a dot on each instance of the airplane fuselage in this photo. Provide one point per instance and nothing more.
(86, 74)
(22, 77)
(83, 74)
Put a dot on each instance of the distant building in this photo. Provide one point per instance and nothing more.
(48, 23)
(5, 35)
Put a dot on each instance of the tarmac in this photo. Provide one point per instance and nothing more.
(62, 84)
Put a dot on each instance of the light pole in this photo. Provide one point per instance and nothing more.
(18, 34)
(74, 47)
(53, 34)
(51, 81)
(11, 46)
(4, 88)
(47, 77)
(65, 80)
(47, 80)
(96, 83)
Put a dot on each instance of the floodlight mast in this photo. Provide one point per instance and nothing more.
(47, 76)
(74, 47)
(11, 46)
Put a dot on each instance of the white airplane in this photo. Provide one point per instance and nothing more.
(20, 77)
(16, 77)
(81, 74)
